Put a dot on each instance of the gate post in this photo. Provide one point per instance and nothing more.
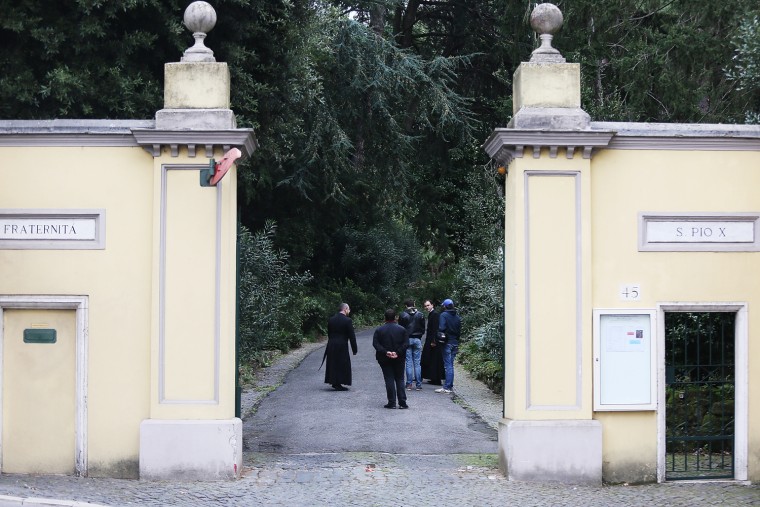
(192, 431)
(548, 432)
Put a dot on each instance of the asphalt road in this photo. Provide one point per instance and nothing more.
(305, 415)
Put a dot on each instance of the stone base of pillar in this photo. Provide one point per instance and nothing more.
(554, 118)
(195, 119)
(566, 451)
(191, 449)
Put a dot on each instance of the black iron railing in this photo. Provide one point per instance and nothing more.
(699, 392)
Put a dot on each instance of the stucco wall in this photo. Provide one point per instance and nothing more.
(161, 294)
(627, 182)
(193, 345)
(117, 279)
(547, 214)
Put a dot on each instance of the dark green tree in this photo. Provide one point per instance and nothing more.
(86, 59)
(365, 119)
(655, 60)
(744, 70)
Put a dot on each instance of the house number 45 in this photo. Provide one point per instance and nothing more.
(630, 292)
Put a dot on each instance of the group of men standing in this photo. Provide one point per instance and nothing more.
(399, 349)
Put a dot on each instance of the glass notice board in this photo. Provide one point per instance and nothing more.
(625, 374)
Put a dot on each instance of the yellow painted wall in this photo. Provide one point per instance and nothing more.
(553, 276)
(626, 182)
(116, 279)
(548, 372)
(122, 283)
(187, 369)
(190, 288)
(514, 274)
(629, 446)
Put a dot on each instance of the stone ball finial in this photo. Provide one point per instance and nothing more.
(546, 19)
(200, 18)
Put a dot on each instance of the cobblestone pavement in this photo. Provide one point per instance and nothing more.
(373, 480)
(366, 479)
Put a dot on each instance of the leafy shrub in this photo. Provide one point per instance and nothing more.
(481, 306)
(314, 314)
(482, 365)
(479, 279)
(270, 297)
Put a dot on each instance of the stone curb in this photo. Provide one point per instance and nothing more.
(15, 501)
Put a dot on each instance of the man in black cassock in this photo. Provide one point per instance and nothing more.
(432, 357)
(340, 331)
(390, 342)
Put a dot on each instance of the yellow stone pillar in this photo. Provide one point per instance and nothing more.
(548, 433)
(192, 431)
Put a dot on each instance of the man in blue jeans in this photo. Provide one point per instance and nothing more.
(451, 326)
(414, 322)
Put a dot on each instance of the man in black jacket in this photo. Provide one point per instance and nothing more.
(391, 341)
(340, 331)
(414, 322)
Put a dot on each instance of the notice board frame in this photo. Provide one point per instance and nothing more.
(625, 359)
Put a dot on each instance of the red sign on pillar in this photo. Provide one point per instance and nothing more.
(221, 167)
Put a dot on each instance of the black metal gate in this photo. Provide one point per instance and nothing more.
(699, 395)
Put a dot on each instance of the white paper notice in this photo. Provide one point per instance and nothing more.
(625, 339)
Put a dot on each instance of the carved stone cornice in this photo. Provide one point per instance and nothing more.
(505, 144)
(693, 143)
(154, 140)
(70, 132)
(65, 139)
(124, 133)
(682, 136)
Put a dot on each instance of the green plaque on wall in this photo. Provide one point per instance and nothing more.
(39, 336)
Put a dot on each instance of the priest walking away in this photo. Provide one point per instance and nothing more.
(340, 332)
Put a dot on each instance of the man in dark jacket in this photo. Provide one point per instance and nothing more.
(414, 322)
(340, 331)
(390, 342)
(451, 326)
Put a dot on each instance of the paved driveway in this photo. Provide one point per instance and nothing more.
(306, 415)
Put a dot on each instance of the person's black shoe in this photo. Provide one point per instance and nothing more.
(389, 405)
(403, 405)
(340, 388)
